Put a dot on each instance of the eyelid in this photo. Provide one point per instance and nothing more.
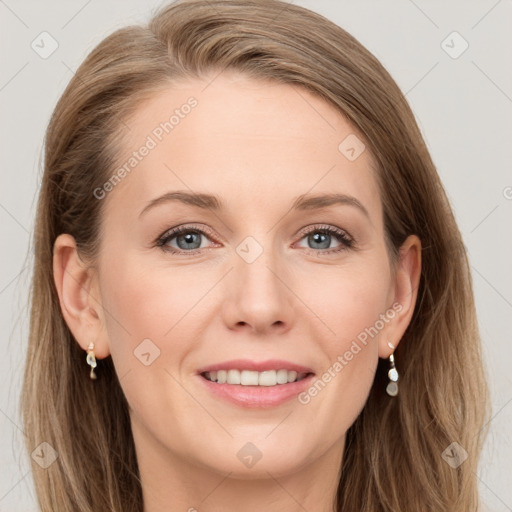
(324, 227)
(177, 230)
(347, 241)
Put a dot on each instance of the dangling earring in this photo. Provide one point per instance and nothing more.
(91, 360)
(392, 387)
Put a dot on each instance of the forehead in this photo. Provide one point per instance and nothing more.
(245, 140)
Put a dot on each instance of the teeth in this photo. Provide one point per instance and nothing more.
(233, 377)
(282, 376)
(269, 378)
(252, 378)
(249, 378)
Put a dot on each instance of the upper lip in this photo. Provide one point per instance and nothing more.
(258, 366)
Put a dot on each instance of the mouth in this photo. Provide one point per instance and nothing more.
(266, 378)
(256, 385)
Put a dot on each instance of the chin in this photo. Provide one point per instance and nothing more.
(246, 460)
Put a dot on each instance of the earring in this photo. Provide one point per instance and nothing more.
(392, 387)
(91, 360)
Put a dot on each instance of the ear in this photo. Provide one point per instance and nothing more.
(407, 280)
(79, 297)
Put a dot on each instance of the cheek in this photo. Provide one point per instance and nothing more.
(140, 308)
(149, 314)
(352, 306)
(348, 300)
(149, 301)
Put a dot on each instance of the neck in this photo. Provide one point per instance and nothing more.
(171, 481)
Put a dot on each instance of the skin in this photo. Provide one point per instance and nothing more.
(258, 146)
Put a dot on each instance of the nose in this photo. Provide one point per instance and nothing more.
(259, 296)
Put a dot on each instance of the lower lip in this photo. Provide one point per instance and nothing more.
(257, 396)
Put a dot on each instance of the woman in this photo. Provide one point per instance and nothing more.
(250, 292)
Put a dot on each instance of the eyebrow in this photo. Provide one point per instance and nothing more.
(212, 202)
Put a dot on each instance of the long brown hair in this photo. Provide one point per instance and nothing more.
(393, 459)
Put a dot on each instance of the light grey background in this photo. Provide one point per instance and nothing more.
(463, 106)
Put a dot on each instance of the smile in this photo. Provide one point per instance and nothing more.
(254, 378)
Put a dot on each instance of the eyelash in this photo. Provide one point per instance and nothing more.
(347, 242)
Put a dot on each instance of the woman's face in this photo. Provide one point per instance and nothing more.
(255, 281)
